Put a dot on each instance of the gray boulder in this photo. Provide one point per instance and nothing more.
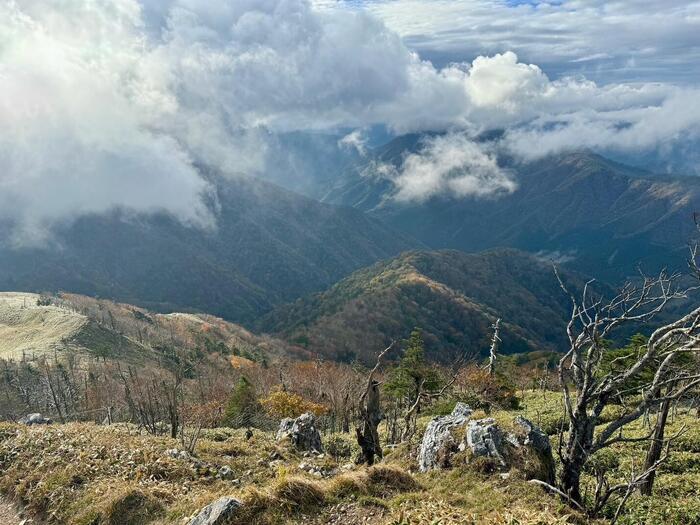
(285, 428)
(527, 448)
(302, 433)
(218, 512)
(536, 441)
(225, 472)
(35, 419)
(486, 439)
(438, 444)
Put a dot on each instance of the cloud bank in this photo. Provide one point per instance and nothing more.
(113, 103)
(450, 164)
(609, 41)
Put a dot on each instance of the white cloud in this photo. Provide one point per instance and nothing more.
(621, 41)
(450, 164)
(355, 140)
(72, 143)
(112, 103)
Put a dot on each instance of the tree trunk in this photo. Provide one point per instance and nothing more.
(655, 448)
(367, 434)
(575, 456)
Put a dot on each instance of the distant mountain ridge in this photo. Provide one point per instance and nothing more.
(452, 296)
(270, 246)
(605, 217)
(69, 325)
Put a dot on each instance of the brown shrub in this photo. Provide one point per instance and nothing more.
(389, 477)
(349, 483)
(299, 493)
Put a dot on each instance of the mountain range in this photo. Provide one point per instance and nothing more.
(269, 246)
(343, 276)
(602, 217)
(453, 297)
(34, 326)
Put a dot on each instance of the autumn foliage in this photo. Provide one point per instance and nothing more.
(280, 404)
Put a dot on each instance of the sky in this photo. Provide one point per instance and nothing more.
(604, 40)
(110, 104)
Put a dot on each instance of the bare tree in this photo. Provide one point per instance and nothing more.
(493, 350)
(370, 416)
(588, 388)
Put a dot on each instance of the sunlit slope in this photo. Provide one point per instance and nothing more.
(29, 330)
(79, 325)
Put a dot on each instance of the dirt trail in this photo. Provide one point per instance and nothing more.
(8, 513)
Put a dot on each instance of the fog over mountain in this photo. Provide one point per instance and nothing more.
(118, 103)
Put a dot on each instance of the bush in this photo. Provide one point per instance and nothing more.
(338, 448)
(281, 404)
(242, 405)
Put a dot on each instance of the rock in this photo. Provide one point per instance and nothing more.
(225, 472)
(536, 440)
(486, 439)
(302, 433)
(438, 444)
(218, 512)
(178, 454)
(35, 419)
(285, 429)
(527, 448)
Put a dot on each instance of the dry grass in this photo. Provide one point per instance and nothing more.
(80, 474)
(31, 330)
(387, 477)
(298, 493)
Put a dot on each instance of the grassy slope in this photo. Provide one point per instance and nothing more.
(81, 474)
(31, 330)
(86, 326)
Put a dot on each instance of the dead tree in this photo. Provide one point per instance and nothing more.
(410, 416)
(588, 388)
(655, 447)
(370, 416)
(493, 350)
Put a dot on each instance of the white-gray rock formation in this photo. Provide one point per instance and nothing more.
(302, 432)
(438, 444)
(218, 512)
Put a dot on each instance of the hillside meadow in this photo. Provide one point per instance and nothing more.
(85, 474)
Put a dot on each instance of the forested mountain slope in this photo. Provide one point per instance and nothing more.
(269, 246)
(604, 217)
(452, 296)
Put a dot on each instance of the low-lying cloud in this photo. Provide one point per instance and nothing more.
(113, 103)
(450, 164)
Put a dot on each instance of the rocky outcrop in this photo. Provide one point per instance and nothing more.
(301, 432)
(535, 440)
(527, 448)
(485, 439)
(523, 446)
(219, 512)
(285, 429)
(35, 419)
(438, 444)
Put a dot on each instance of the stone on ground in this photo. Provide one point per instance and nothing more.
(218, 512)
(302, 433)
(438, 444)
